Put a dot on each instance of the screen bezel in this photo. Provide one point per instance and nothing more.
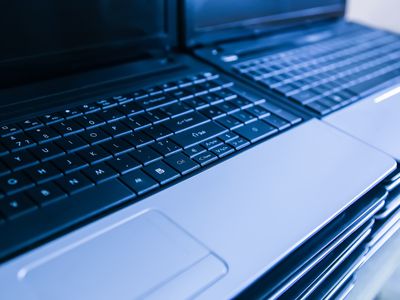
(84, 59)
(192, 37)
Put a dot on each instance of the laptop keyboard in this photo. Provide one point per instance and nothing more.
(328, 75)
(125, 146)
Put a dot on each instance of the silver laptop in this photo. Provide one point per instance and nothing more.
(119, 179)
(373, 120)
(307, 54)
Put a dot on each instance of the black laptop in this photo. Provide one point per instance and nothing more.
(95, 99)
(305, 51)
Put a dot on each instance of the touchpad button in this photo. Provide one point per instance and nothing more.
(132, 260)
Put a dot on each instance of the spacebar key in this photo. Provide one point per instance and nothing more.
(61, 215)
(198, 134)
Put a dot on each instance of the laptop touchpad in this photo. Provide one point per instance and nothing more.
(144, 257)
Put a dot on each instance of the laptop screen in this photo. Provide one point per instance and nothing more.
(205, 16)
(42, 38)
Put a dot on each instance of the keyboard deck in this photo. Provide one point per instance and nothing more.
(54, 167)
(328, 75)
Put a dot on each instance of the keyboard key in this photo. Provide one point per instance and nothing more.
(100, 173)
(17, 142)
(281, 113)
(238, 143)
(94, 155)
(138, 139)
(205, 158)
(15, 182)
(67, 127)
(158, 101)
(45, 194)
(157, 132)
(229, 122)
(51, 118)
(156, 116)
(258, 111)
(130, 109)
(244, 117)
(10, 129)
(180, 94)
(47, 152)
(94, 136)
(181, 163)
(124, 164)
(166, 147)
(106, 103)
(139, 94)
(211, 143)
(137, 122)
(241, 102)
(139, 182)
(71, 113)
(19, 160)
(211, 99)
(74, 183)
(88, 108)
(184, 122)
(176, 109)
(116, 129)
(153, 91)
(43, 135)
(14, 207)
(222, 150)
(161, 172)
(227, 107)
(43, 172)
(256, 131)
(213, 112)
(276, 122)
(69, 163)
(226, 94)
(110, 114)
(89, 121)
(72, 143)
(318, 108)
(228, 136)
(196, 103)
(117, 146)
(195, 150)
(364, 87)
(29, 124)
(305, 97)
(123, 98)
(145, 155)
(198, 134)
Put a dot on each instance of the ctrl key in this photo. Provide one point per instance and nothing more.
(13, 207)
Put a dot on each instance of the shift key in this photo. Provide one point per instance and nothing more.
(198, 134)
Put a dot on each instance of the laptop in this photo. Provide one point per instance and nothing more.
(131, 171)
(306, 52)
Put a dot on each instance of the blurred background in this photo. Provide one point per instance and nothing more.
(378, 13)
(380, 277)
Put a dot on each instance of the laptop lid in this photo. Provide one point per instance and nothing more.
(210, 21)
(44, 39)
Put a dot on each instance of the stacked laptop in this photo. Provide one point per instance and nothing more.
(194, 149)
